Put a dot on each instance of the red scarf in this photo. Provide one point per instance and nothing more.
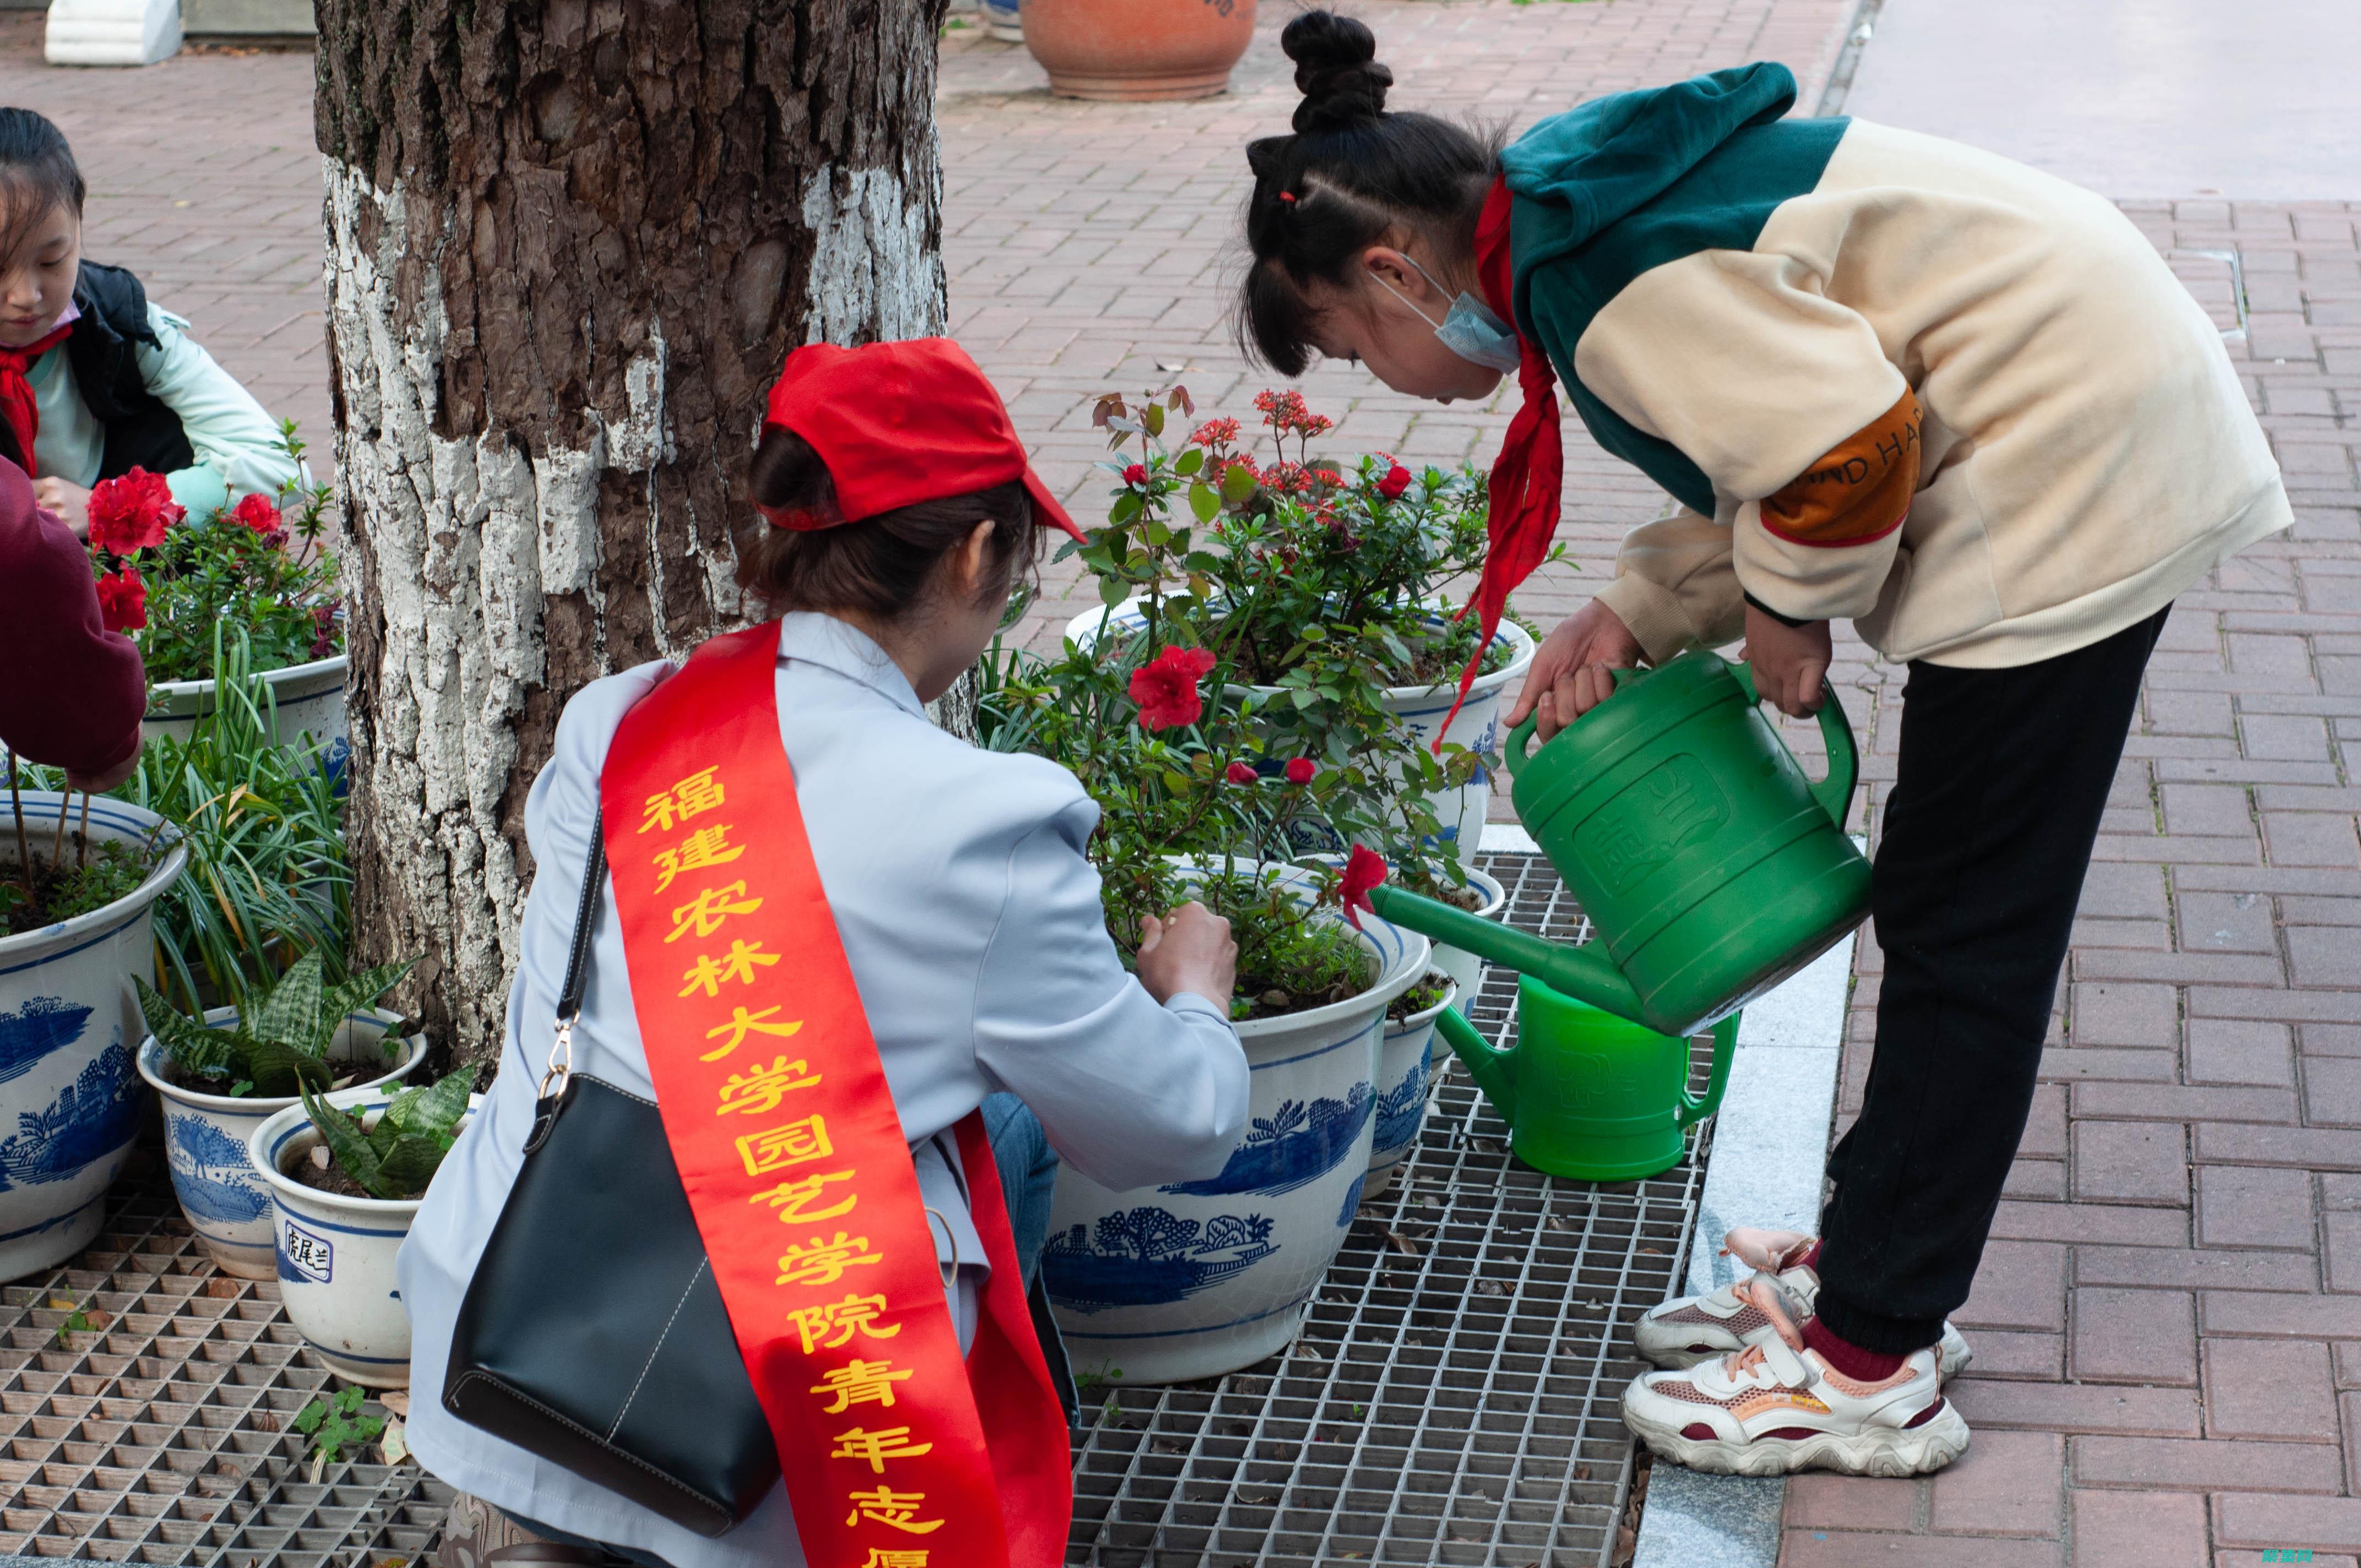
(896, 1449)
(1530, 469)
(16, 404)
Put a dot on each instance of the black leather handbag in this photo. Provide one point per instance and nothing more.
(593, 1333)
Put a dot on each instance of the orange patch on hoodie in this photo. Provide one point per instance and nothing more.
(1859, 492)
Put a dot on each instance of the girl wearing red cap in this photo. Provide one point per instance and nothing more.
(895, 512)
(1884, 377)
(94, 379)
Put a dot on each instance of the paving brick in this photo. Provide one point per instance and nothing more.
(2310, 838)
(2008, 1483)
(2131, 1162)
(2176, 1103)
(2018, 1285)
(2308, 1148)
(2279, 1315)
(2103, 1223)
(2253, 1206)
(2268, 1388)
(1853, 1502)
(1861, 1549)
(2209, 1465)
(2332, 1090)
(2122, 1013)
(2229, 1050)
(2288, 737)
(2276, 1519)
(2009, 1353)
(2138, 1530)
(2077, 1408)
(2133, 1336)
(2196, 1268)
(2226, 922)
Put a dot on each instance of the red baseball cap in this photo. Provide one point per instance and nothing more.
(899, 423)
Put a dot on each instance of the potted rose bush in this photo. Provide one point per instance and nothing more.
(254, 569)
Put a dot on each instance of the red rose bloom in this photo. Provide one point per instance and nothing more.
(1239, 774)
(131, 512)
(1301, 771)
(123, 601)
(255, 512)
(1165, 690)
(1396, 481)
(1135, 475)
(1364, 870)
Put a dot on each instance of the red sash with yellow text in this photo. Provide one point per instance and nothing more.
(896, 1452)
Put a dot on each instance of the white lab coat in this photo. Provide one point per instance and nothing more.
(973, 925)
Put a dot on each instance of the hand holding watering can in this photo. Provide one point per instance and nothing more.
(1711, 867)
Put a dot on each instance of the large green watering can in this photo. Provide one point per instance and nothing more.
(1589, 1095)
(1711, 867)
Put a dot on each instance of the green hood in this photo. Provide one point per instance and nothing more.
(1627, 182)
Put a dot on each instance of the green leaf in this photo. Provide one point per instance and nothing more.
(291, 1014)
(409, 1165)
(437, 1111)
(191, 1045)
(1153, 417)
(1125, 507)
(1188, 462)
(348, 1144)
(358, 996)
(1114, 590)
(1237, 483)
(1204, 501)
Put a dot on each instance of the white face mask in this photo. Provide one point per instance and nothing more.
(1469, 329)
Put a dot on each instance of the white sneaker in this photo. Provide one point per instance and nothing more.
(1776, 1407)
(1682, 1332)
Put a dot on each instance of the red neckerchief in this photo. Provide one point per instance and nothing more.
(17, 403)
(1530, 469)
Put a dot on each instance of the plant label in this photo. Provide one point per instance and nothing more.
(302, 1255)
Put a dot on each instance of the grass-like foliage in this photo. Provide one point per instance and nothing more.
(278, 1045)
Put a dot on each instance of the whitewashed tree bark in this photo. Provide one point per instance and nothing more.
(569, 244)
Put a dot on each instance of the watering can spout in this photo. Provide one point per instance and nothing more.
(1583, 972)
(1489, 1069)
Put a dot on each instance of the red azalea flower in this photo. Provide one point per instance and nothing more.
(131, 512)
(1364, 870)
(255, 512)
(1239, 774)
(1165, 690)
(1301, 769)
(123, 601)
(1215, 432)
(1396, 481)
(1135, 475)
(324, 629)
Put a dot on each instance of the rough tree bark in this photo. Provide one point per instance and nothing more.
(569, 244)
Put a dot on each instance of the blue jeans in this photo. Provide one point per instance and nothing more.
(1028, 1174)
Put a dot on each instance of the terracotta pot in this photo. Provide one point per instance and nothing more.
(1139, 48)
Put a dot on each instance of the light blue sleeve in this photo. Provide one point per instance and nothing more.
(1130, 1092)
(236, 441)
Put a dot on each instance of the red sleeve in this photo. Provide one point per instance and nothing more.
(73, 692)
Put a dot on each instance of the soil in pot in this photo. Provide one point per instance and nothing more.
(1429, 990)
(80, 878)
(1287, 963)
(179, 1076)
(314, 1169)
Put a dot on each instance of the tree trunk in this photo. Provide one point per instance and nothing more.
(569, 244)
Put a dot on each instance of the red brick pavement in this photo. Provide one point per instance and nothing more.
(2169, 1321)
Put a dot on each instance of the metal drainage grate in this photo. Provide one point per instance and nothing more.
(161, 1433)
(1454, 1397)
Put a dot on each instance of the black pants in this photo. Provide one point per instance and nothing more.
(1986, 838)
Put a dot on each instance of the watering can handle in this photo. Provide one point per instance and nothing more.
(1522, 735)
(1834, 792)
(1696, 1108)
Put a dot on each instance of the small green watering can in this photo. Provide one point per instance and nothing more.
(1587, 1095)
(1711, 867)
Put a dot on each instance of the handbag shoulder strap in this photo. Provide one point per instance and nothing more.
(586, 915)
(560, 1070)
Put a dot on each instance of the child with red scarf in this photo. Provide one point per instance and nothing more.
(94, 379)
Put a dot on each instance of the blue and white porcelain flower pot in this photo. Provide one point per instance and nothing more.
(1421, 708)
(1191, 1279)
(309, 699)
(205, 1137)
(335, 1254)
(70, 1097)
(1402, 1059)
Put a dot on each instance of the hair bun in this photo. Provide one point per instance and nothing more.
(1336, 70)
